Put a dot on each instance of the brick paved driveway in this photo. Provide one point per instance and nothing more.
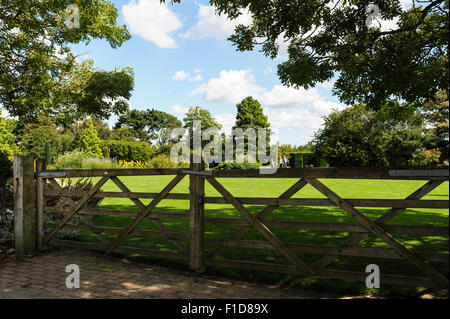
(109, 277)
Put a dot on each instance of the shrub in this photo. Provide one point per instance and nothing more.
(6, 225)
(82, 185)
(234, 165)
(296, 160)
(128, 151)
(79, 159)
(304, 159)
(428, 158)
(163, 149)
(72, 159)
(132, 164)
(48, 153)
(162, 161)
(6, 199)
(106, 152)
(406, 148)
(99, 163)
(89, 141)
(41, 139)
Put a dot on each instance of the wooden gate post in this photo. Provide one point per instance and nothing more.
(40, 184)
(24, 206)
(196, 217)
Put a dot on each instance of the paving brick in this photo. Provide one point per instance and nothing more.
(107, 277)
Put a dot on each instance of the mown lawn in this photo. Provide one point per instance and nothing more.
(273, 188)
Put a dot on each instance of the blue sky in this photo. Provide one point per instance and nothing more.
(181, 58)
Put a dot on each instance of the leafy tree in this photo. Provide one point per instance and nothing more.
(148, 125)
(329, 39)
(103, 130)
(37, 134)
(89, 141)
(7, 138)
(40, 74)
(196, 113)
(74, 131)
(250, 115)
(66, 139)
(48, 153)
(405, 147)
(359, 136)
(437, 113)
(123, 133)
(207, 122)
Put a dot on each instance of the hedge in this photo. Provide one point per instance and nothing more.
(234, 165)
(303, 159)
(128, 151)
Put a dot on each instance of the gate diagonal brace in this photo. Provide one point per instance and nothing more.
(97, 234)
(76, 208)
(255, 222)
(414, 259)
(291, 191)
(144, 213)
(393, 212)
(141, 206)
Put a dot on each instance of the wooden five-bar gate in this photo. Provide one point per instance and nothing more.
(30, 199)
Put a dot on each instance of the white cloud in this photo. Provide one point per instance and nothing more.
(326, 84)
(231, 87)
(283, 45)
(227, 121)
(288, 108)
(388, 25)
(305, 118)
(180, 75)
(283, 96)
(234, 85)
(152, 20)
(303, 121)
(268, 70)
(198, 70)
(3, 112)
(211, 25)
(322, 107)
(406, 3)
(177, 109)
(196, 78)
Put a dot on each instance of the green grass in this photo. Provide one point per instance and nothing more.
(273, 188)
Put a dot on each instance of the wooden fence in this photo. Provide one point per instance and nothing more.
(194, 251)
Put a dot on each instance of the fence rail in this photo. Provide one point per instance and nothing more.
(317, 172)
(191, 245)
